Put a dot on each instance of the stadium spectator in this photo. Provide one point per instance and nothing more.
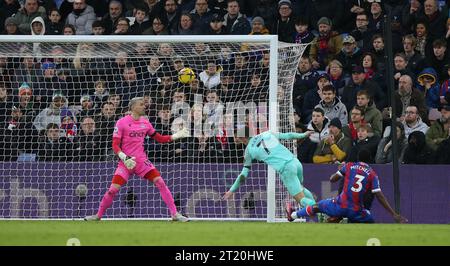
(305, 80)
(356, 121)
(235, 22)
(6, 102)
(362, 33)
(7, 9)
(54, 147)
(408, 95)
(159, 26)
(69, 128)
(88, 141)
(25, 15)
(114, 13)
(313, 97)
(6, 71)
(26, 104)
(415, 61)
(376, 17)
(179, 104)
(325, 46)
(401, 67)
(81, 17)
(87, 108)
(122, 27)
(116, 100)
(98, 28)
(332, 105)
(210, 76)
(163, 125)
(384, 150)
(369, 63)
(216, 25)
(418, 151)
(335, 147)
(358, 83)
(302, 33)
(16, 135)
(201, 16)
(413, 122)
(337, 76)
(439, 58)
(445, 87)
(53, 24)
(378, 50)
(267, 10)
(49, 84)
(141, 21)
(171, 14)
(424, 42)
(101, 94)
(154, 8)
(259, 27)
(105, 122)
(319, 125)
(213, 111)
(52, 113)
(372, 115)
(185, 26)
(350, 55)
(434, 18)
(439, 130)
(11, 27)
(365, 141)
(428, 84)
(69, 29)
(28, 70)
(283, 26)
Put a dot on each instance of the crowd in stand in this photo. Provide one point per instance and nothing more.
(65, 109)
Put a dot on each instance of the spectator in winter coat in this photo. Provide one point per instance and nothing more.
(429, 86)
(418, 151)
(439, 130)
(332, 106)
(82, 17)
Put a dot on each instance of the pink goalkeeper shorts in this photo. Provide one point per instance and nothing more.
(140, 169)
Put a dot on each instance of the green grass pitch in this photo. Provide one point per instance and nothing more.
(199, 233)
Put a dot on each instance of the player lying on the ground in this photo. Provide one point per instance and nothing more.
(359, 179)
(128, 143)
(267, 148)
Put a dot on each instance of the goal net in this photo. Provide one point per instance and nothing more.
(61, 97)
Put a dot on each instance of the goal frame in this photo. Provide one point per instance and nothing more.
(272, 40)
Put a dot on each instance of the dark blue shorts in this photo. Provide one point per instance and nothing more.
(331, 208)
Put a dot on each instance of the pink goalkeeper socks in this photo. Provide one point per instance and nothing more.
(166, 196)
(107, 200)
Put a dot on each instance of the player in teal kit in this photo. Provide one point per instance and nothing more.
(266, 147)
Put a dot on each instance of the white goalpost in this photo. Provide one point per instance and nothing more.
(60, 97)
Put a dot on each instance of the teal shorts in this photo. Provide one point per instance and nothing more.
(292, 177)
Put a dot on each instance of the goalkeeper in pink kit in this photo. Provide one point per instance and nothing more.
(128, 143)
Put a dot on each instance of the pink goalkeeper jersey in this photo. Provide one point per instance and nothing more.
(132, 134)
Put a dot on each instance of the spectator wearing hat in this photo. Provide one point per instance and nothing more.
(81, 17)
(302, 33)
(7, 9)
(268, 10)
(350, 54)
(216, 26)
(235, 22)
(259, 27)
(332, 106)
(284, 25)
(376, 17)
(201, 16)
(25, 16)
(439, 131)
(87, 108)
(326, 45)
(69, 127)
(428, 84)
(359, 83)
(51, 114)
(335, 147)
(11, 27)
(313, 97)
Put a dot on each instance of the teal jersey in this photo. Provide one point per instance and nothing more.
(267, 148)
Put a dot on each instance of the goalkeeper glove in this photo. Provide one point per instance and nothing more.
(183, 133)
(129, 162)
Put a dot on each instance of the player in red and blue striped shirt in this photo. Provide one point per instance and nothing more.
(359, 179)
